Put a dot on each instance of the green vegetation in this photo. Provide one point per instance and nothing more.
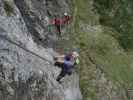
(103, 44)
(117, 14)
(8, 8)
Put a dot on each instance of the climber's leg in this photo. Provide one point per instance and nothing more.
(61, 75)
(58, 28)
(70, 72)
(58, 64)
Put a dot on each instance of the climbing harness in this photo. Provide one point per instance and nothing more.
(18, 45)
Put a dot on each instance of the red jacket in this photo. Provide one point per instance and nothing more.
(66, 19)
(58, 21)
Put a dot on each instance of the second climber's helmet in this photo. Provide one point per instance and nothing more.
(65, 14)
(75, 54)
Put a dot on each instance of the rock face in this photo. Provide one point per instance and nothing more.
(26, 67)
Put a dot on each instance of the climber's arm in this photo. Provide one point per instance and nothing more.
(60, 56)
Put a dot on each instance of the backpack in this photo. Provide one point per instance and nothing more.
(77, 61)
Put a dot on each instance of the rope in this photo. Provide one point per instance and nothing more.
(14, 43)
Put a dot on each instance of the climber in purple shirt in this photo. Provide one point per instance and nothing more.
(66, 62)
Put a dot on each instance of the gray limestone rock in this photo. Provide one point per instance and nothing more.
(26, 55)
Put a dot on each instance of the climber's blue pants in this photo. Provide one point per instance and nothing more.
(66, 69)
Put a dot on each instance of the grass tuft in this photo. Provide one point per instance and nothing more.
(8, 8)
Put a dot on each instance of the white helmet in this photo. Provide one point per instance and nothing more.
(75, 54)
(65, 14)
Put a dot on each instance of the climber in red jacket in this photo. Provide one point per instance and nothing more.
(59, 22)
